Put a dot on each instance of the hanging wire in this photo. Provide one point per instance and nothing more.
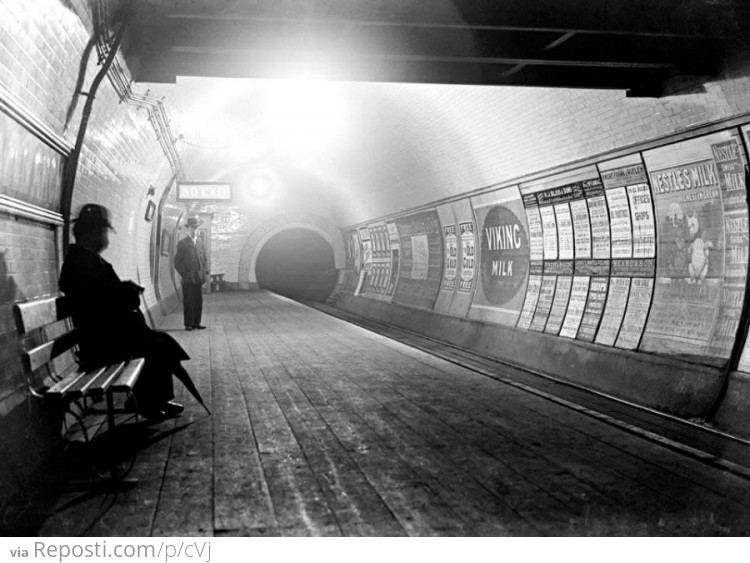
(157, 114)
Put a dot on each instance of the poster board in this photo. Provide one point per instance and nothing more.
(697, 303)
(380, 271)
(564, 233)
(459, 263)
(503, 260)
(421, 259)
(633, 251)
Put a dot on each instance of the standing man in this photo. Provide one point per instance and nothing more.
(190, 262)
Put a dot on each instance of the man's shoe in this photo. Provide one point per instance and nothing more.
(188, 328)
(199, 327)
(172, 409)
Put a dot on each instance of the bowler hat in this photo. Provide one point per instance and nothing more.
(93, 215)
(193, 222)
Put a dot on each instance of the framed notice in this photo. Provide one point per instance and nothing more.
(564, 222)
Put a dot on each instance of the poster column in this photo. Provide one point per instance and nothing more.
(536, 263)
(731, 170)
(598, 267)
(468, 257)
(633, 250)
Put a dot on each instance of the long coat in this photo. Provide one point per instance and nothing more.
(112, 328)
(190, 261)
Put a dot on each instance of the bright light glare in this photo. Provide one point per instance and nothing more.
(303, 116)
(260, 186)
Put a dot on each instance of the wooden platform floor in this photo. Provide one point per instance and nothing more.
(320, 427)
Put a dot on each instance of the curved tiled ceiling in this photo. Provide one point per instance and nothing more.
(399, 146)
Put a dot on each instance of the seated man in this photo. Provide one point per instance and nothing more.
(112, 327)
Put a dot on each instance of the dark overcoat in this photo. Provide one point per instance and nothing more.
(190, 261)
(112, 328)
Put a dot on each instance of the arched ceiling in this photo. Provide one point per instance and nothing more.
(356, 151)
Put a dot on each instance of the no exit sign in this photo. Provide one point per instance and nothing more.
(204, 191)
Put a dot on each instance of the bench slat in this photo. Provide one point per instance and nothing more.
(41, 312)
(127, 379)
(44, 353)
(103, 382)
(81, 386)
(59, 389)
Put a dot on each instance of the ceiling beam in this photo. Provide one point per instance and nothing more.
(512, 47)
(166, 68)
(686, 18)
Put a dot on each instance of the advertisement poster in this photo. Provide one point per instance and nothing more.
(559, 305)
(690, 266)
(420, 257)
(599, 218)
(450, 240)
(619, 223)
(642, 215)
(393, 272)
(395, 245)
(731, 170)
(468, 257)
(529, 304)
(582, 227)
(503, 257)
(592, 314)
(577, 304)
(635, 314)
(614, 311)
(420, 269)
(536, 236)
(544, 303)
(565, 241)
(549, 232)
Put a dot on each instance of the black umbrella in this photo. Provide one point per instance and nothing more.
(186, 380)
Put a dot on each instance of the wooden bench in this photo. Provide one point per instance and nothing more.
(49, 344)
(217, 281)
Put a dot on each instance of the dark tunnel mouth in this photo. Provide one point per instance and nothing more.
(297, 263)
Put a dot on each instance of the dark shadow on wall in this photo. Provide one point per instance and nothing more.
(297, 263)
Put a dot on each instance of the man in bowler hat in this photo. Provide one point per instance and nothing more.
(190, 263)
(106, 311)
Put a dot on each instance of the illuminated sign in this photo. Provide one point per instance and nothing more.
(205, 191)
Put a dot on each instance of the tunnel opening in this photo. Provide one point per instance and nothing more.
(297, 263)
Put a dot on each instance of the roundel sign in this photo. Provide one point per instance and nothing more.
(505, 255)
